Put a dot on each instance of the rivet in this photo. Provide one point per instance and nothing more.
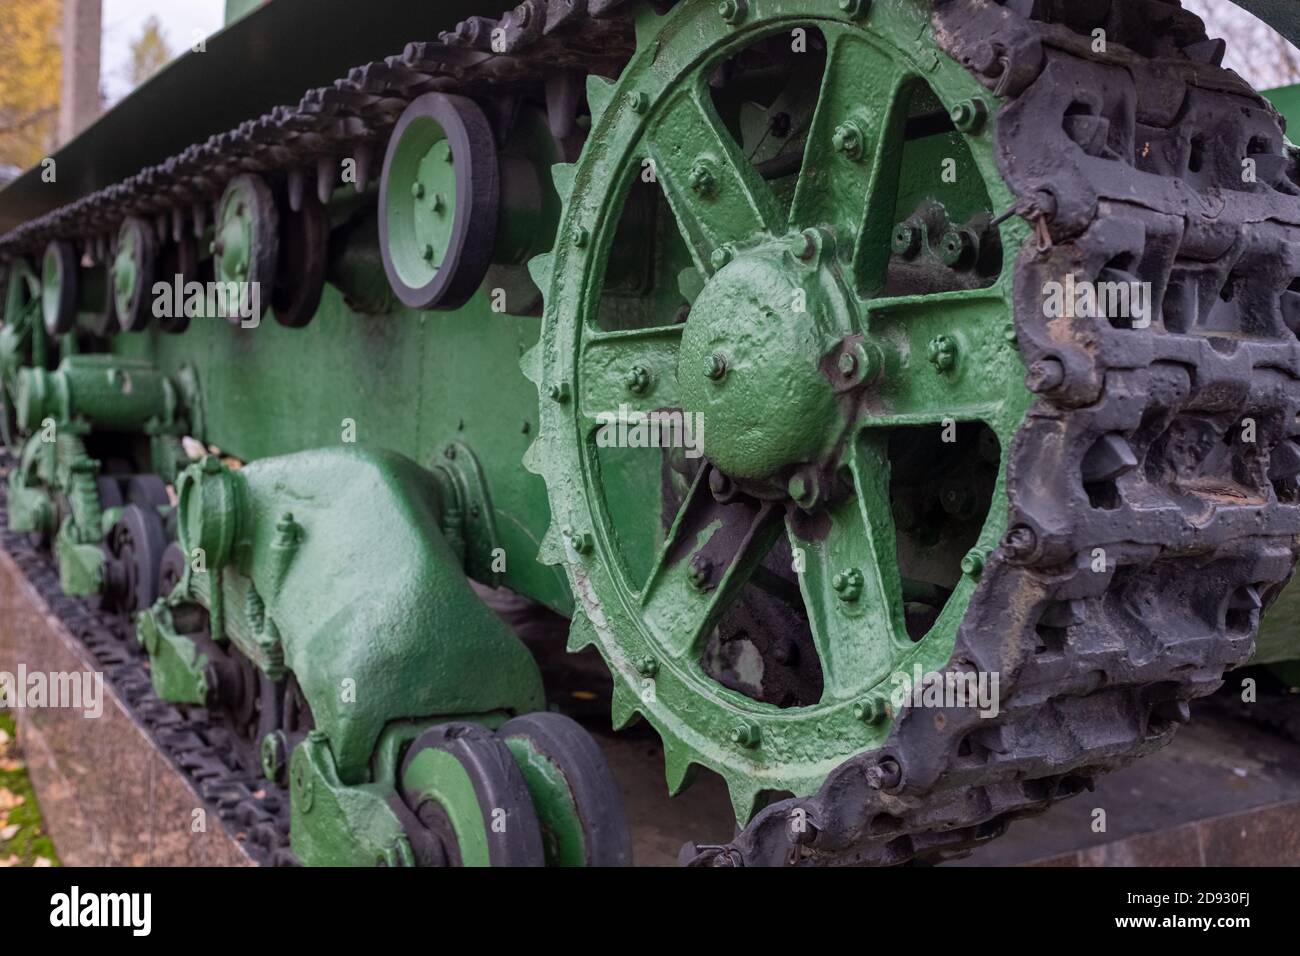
(715, 366)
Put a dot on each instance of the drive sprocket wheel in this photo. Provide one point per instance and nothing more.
(807, 353)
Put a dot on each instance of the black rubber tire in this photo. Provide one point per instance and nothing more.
(498, 784)
(64, 316)
(478, 201)
(303, 261)
(591, 783)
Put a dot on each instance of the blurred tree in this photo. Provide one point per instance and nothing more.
(149, 52)
(1262, 56)
(29, 79)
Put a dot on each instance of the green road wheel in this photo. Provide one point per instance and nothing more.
(465, 788)
(575, 794)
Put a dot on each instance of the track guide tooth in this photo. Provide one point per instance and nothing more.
(599, 92)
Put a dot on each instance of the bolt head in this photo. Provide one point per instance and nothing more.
(637, 379)
(968, 116)
(848, 364)
(581, 237)
(973, 564)
(638, 102)
(702, 179)
(1045, 375)
(732, 11)
(647, 666)
(700, 572)
(906, 240)
(720, 258)
(804, 246)
(943, 353)
(854, 8)
(427, 253)
(747, 735)
(417, 190)
(849, 140)
(715, 367)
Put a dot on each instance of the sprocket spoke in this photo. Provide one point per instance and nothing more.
(850, 580)
(956, 358)
(636, 371)
(716, 194)
(711, 551)
(849, 178)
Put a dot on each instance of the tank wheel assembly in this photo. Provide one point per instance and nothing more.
(246, 241)
(464, 787)
(808, 489)
(438, 202)
(573, 791)
(133, 556)
(303, 262)
(133, 269)
(59, 284)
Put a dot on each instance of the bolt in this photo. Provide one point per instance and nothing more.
(1020, 543)
(638, 102)
(886, 775)
(700, 572)
(956, 248)
(848, 584)
(578, 541)
(855, 8)
(849, 139)
(720, 258)
(417, 190)
(702, 180)
(804, 245)
(943, 353)
(581, 237)
(973, 564)
(803, 488)
(715, 366)
(1045, 375)
(848, 364)
(733, 11)
(647, 666)
(449, 452)
(637, 379)
(906, 240)
(427, 254)
(1009, 332)
(969, 116)
(870, 710)
(747, 735)
(720, 485)
(559, 392)
(439, 203)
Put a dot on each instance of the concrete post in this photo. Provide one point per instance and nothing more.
(79, 103)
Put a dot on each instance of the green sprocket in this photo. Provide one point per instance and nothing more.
(828, 307)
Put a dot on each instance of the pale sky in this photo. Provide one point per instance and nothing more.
(182, 21)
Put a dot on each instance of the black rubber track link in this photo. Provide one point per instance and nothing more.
(199, 743)
(1134, 459)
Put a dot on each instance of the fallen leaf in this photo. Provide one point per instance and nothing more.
(9, 832)
(4, 737)
(11, 766)
(11, 860)
(8, 800)
(43, 861)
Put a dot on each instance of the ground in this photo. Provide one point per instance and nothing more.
(23, 840)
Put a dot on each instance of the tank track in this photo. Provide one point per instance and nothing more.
(198, 742)
(1097, 668)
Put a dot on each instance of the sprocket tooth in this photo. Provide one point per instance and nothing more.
(679, 766)
(745, 797)
(552, 548)
(690, 283)
(530, 363)
(532, 459)
(539, 267)
(599, 92)
(582, 634)
(562, 175)
(623, 706)
(646, 25)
